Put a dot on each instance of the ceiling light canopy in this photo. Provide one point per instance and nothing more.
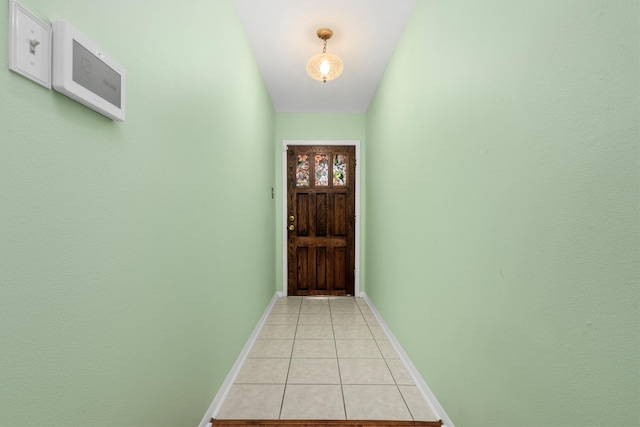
(324, 66)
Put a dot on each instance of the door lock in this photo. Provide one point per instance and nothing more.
(292, 218)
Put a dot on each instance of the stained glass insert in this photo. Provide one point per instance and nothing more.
(340, 170)
(302, 171)
(322, 170)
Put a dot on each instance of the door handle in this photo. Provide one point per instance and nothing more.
(292, 227)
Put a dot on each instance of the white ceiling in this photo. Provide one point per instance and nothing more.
(282, 36)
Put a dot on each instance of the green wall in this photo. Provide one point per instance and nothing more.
(502, 208)
(321, 127)
(126, 289)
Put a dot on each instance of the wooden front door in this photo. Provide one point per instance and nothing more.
(321, 220)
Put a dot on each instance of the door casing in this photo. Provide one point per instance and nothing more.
(285, 260)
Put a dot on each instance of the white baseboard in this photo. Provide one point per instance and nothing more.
(225, 388)
(428, 395)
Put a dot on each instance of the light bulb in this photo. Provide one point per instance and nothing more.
(325, 67)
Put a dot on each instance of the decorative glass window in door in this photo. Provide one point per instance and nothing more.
(322, 170)
(302, 171)
(340, 170)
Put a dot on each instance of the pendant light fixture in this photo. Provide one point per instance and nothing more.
(324, 66)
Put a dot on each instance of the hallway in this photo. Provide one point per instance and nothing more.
(324, 358)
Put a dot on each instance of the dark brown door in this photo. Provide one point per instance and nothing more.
(321, 220)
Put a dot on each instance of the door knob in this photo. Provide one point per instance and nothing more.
(292, 227)
(292, 218)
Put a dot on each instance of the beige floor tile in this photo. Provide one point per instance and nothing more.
(345, 309)
(313, 402)
(296, 345)
(352, 332)
(282, 319)
(314, 319)
(378, 402)
(314, 332)
(348, 319)
(370, 319)
(399, 372)
(343, 304)
(378, 332)
(365, 371)
(358, 349)
(315, 300)
(263, 371)
(285, 308)
(250, 401)
(365, 309)
(314, 308)
(416, 403)
(341, 300)
(289, 300)
(309, 349)
(313, 371)
(387, 350)
(271, 349)
(277, 332)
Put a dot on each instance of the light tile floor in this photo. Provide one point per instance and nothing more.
(323, 358)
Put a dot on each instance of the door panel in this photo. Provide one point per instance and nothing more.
(321, 220)
(340, 215)
(322, 211)
(303, 212)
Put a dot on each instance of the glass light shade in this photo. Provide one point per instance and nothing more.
(324, 67)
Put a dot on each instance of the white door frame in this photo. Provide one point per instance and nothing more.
(285, 198)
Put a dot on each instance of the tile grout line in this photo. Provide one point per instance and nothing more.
(335, 345)
(426, 395)
(337, 309)
(286, 380)
(395, 382)
(332, 324)
(386, 361)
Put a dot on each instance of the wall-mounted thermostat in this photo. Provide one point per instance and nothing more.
(83, 72)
